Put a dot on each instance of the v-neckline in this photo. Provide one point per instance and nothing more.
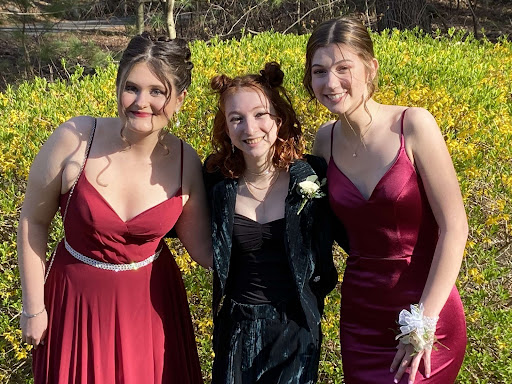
(177, 194)
(395, 161)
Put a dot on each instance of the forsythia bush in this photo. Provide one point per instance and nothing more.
(465, 83)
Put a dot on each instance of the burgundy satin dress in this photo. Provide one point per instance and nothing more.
(392, 238)
(107, 327)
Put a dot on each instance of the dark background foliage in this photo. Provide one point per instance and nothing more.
(36, 35)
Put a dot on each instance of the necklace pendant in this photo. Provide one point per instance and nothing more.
(354, 154)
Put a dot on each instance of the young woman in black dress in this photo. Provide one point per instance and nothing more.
(272, 249)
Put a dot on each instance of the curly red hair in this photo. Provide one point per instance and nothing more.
(289, 144)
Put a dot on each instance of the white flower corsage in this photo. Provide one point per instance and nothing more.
(309, 189)
(416, 329)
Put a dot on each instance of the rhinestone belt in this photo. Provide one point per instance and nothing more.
(110, 266)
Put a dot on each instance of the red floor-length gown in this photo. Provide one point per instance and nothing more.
(392, 238)
(107, 327)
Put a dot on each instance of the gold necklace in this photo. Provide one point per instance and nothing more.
(262, 173)
(270, 186)
(261, 188)
(361, 138)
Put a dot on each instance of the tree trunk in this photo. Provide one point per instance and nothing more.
(169, 14)
(140, 16)
(475, 19)
(403, 14)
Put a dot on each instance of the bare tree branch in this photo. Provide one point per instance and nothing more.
(475, 19)
(308, 12)
(244, 15)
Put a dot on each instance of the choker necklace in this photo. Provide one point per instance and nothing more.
(361, 137)
(270, 186)
(262, 173)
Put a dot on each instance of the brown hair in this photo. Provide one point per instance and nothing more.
(168, 60)
(288, 146)
(346, 30)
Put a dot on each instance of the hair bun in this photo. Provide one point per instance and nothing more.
(220, 83)
(182, 46)
(272, 74)
(178, 47)
(179, 43)
(146, 35)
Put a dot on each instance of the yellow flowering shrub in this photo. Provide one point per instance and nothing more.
(466, 84)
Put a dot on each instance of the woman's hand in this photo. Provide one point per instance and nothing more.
(33, 329)
(406, 357)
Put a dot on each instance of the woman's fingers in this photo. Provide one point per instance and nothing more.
(402, 367)
(426, 362)
(406, 361)
(398, 357)
(406, 357)
(31, 341)
(33, 330)
(414, 366)
(43, 337)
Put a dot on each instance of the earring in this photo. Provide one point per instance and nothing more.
(232, 148)
(177, 123)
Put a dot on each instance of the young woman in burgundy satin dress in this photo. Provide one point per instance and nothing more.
(392, 184)
(113, 308)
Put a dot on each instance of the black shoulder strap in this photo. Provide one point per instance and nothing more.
(332, 134)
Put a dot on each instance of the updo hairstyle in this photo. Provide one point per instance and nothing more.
(168, 60)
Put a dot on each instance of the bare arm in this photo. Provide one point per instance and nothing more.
(322, 144)
(39, 207)
(426, 146)
(193, 226)
(440, 181)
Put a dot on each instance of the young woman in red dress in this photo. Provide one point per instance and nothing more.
(393, 186)
(110, 305)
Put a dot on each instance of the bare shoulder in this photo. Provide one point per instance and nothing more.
(325, 129)
(190, 154)
(419, 122)
(191, 162)
(54, 166)
(322, 143)
(77, 128)
(67, 142)
(423, 138)
(193, 186)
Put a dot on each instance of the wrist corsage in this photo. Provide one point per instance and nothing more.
(309, 189)
(416, 329)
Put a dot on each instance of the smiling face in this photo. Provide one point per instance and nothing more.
(145, 104)
(251, 123)
(340, 79)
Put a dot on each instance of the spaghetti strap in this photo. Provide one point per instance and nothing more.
(332, 134)
(402, 140)
(181, 172)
